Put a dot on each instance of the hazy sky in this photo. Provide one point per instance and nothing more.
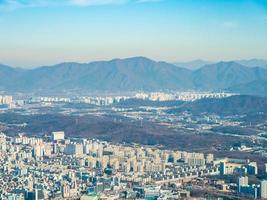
(42, 32)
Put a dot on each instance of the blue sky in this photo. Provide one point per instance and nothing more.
(44, 32)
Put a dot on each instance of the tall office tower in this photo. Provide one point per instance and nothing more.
(264, 189)
(242, 182)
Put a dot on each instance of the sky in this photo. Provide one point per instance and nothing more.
(45, 32)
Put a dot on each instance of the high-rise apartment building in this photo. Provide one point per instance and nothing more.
(59, 135)
(264, 189)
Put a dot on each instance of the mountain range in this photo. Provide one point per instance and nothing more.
(134, 74)
(196, 64)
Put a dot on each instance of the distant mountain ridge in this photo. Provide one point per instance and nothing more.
(116, 75)
(234, 105)
(130, 74)
(253, 63)
(226, 74)
(196, 64)
(258, 88)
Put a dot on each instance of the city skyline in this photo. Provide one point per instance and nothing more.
(44, 32)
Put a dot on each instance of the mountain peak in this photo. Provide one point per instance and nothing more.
(137, 58)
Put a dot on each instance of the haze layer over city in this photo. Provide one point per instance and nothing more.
(133, 99)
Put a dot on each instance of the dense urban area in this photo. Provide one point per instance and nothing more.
(144, 145)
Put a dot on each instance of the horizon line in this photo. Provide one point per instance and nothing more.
(132, 57)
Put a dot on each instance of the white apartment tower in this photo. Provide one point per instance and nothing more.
(58, 135)
(264, 189)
